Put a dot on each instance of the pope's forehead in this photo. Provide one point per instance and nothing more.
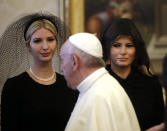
(64, 48)
(66, 44)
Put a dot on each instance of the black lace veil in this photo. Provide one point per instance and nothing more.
(14, 56)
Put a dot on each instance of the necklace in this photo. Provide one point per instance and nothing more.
(42, 79)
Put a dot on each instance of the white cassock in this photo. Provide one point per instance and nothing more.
(102, 105)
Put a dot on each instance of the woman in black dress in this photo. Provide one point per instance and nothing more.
(125, 51)
(38, 99)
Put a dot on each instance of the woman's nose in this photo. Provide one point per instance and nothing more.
(123, 50)
(45, 45)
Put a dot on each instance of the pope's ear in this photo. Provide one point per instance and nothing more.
(76, 61)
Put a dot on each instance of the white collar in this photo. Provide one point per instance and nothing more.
(88, 81)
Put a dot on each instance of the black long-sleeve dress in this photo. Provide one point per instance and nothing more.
(30, 106)
(146, 95)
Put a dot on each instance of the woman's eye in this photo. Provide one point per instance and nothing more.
(116, 45)
(37, 40)
(130, 45)
(51, 39)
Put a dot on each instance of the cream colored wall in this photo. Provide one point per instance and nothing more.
(10, 9)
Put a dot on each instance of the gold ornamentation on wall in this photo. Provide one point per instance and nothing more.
(76, 16)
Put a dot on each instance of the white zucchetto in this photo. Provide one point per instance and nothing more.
(88, 43)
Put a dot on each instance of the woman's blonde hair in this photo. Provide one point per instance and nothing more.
(44, 23)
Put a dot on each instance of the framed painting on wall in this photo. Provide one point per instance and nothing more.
(98, 13)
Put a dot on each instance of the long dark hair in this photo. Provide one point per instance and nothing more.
(126, 27)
